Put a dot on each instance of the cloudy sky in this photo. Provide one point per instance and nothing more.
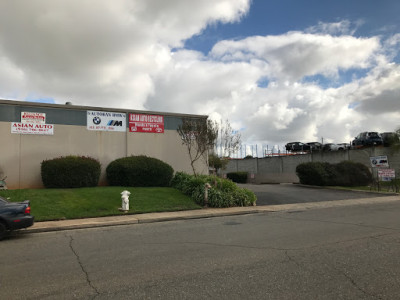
(280, 71)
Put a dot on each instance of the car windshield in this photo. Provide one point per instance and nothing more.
(373, 134)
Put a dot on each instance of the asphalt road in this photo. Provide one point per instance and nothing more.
(274, 194)
(332, 253)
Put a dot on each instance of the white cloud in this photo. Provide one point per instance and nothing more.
(129, 53)
(93, 51)
(296, 54)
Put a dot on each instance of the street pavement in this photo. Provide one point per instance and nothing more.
(272, 194)
(268, 196)
(345, 249)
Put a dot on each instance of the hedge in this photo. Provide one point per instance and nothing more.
(70, 172)
(345, 173)
(140, 171)
(238, 177)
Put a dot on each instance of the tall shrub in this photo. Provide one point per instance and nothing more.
(345, 173)
(70, 172)
(353, 174)
(139, 171)
(314, 173)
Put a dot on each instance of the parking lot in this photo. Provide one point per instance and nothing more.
(273, 194)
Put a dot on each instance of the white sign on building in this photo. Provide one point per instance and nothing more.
(33, 117)
(379, 161)
(32, 123)
(106, 121)
(32, 128)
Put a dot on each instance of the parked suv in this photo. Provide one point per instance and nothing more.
(367, 139)
(315, 146)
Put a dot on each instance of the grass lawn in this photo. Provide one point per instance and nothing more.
(56, 204)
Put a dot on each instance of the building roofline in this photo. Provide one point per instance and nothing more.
(96, 108)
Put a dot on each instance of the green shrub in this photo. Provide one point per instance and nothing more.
(70, 172)
(314, 173)
(353, 174)
(223, 192)
(239, 177)
(345, 173)
(139, 171)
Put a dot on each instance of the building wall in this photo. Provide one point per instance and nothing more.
(282, 169)
(22, 154)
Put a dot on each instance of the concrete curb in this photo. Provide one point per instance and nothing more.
(196, 214)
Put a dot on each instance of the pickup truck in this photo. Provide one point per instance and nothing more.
(14, 215)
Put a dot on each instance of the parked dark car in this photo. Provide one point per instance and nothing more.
(315, 146)
(14, 215)
(343, 146)
(389, 138)
(367, 139)
(297, 147)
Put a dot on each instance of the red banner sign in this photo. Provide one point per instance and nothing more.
(146, 123)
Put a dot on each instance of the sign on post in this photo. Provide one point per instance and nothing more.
(386, 174)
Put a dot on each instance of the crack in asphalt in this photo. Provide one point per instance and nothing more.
(354, 283)
(291, 259)
(82, 267)
(342, 272)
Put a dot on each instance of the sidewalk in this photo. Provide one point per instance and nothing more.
(195, 214)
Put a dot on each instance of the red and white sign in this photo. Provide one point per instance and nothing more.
(32, 128)
(386, 174)
(33, 117)
(146, 123)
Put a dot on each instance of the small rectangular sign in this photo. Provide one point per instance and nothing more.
(33, 117)
(146, 123)
(386, 174)
(32, 128)
(106, 121)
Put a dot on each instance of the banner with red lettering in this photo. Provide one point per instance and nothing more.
(146, 123)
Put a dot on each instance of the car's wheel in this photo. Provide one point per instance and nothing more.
(3, 230)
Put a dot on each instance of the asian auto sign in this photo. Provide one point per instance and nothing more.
(146, 123)
(32, 123)
(106, 121)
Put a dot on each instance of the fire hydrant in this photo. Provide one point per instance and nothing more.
(125, 200)
(207, 186)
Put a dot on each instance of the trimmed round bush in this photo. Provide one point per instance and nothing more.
(139, 171)
(314, 173)
(345, 173)
(70, 172)
(353, 174)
